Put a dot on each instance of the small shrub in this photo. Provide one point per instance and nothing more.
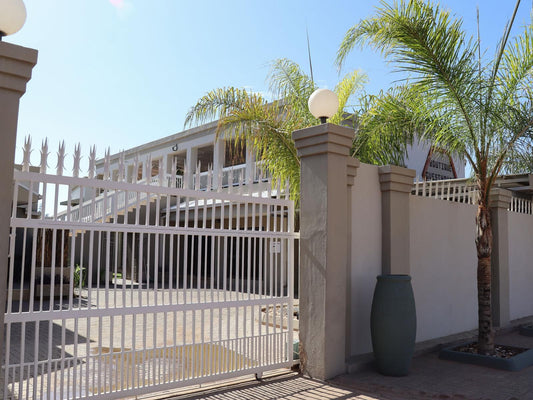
(80, 276)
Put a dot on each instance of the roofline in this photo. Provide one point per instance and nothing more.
(175, 136)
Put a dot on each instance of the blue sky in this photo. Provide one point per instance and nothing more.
(119, 73)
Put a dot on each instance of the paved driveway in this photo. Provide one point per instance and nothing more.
(429, 379)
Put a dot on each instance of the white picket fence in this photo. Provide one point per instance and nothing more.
(456, 190)
(521, 205)
(462, 191)
(143, 287)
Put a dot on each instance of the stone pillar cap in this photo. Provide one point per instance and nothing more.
(323, 138)
(395, 178)
(16, 64)
(500, 198)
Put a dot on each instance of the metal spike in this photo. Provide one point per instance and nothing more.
(209, 177)
(173, 173)
(44, 156)
(219, 179)
(230, 180)
(92, 162)
(185, 179)
(251, 175)
(269, 187)
(260, 183)
(121, 167)
(241, 182)
(77, 159)
(148, 169)
(107, 163)
(161, 172)
(26, 154)
(136, 168)
(197, 181)
(61, 158)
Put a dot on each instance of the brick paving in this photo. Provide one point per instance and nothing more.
(289, 386)
(429, 379)
(104, 353)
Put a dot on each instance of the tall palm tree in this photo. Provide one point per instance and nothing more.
(268, 126)
(458, 100)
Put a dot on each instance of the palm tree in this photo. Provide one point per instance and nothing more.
(268, 126)
(458, 100)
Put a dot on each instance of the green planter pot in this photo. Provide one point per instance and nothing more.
(393, 324)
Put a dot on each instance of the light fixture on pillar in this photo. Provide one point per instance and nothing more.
(323, 104)
(12, 16)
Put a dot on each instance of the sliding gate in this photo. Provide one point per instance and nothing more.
(143, 287)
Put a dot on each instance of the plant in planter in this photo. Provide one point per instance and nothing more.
(80, 277)
(457, 100)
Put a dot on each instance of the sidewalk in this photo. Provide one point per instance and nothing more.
(429, 379)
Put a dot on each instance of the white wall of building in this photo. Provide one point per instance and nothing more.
(417, 154)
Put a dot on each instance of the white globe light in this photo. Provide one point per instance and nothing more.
(12, 16)
(323, 104)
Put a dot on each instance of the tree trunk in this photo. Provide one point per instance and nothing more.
(484, 251)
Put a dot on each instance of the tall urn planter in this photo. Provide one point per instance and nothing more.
(393, 324)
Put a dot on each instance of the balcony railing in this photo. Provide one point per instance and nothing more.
(110, 203)
(231, 176)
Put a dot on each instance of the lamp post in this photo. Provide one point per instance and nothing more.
(323, 104)
(16, 64)
(12, 16)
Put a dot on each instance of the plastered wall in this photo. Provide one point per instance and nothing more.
(365, 254)
(443, 266)
(520, 265)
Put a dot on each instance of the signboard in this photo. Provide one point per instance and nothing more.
(439, 165)
(275, 247)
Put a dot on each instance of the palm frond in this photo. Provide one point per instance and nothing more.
(429, 45)
(351, 84)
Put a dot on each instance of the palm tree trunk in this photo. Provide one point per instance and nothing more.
(484, 251)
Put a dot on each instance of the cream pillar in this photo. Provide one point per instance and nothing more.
(324, 151)
(352, 166)
(396, 185)
(499, 206)
(16, 64)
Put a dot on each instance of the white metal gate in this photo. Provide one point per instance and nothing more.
(143, 286)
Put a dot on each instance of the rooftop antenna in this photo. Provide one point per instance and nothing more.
(309, 54)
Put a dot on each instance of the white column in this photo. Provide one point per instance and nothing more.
(219, 153)
(250, 161)
(190, 166)
(142, 165)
